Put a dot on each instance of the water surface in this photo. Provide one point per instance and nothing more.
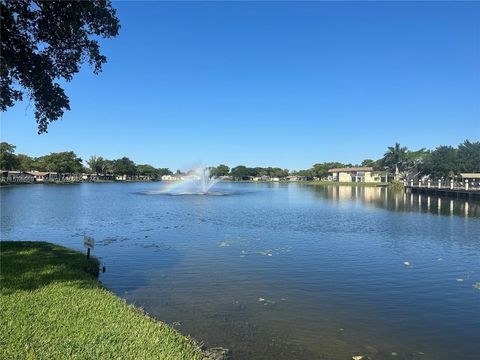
(278, 271)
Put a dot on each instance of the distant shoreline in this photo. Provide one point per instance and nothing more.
(306, 182)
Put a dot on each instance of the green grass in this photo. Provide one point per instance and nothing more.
(396, 185)
(53, 307)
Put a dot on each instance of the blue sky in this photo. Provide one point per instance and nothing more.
(270, 84)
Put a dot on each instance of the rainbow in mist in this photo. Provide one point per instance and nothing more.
(199, 181)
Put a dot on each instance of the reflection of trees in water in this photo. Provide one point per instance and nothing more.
(399, 200)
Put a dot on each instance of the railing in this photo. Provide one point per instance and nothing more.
(443, 184)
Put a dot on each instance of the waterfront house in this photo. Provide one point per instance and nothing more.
(357, 174)
(13, 176)
(473, 178)
(168, 178)
(44, 176)
(295, 178)
(470, 176)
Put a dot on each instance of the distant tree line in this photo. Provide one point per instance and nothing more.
(397, 161)
(69, 162)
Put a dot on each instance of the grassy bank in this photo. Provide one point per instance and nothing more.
(52, 307)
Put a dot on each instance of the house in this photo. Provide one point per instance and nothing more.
(470, 177)
(473, 178)
(13, 176)
(296, 178)
(357, 174)
(168, 178)
(40, 176)
(44, 176)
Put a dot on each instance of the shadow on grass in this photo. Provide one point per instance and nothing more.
(28, 265)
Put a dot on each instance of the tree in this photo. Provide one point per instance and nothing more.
(469, 156)
(8, 160)
(442, 162)
(242, 172)
(66, 162)
(308, 174)
(43, 41)
(124, 166)
(411, 167)
(95, 164)
(164, 171)
(369, 163)
(394, 159)
(26, 163)
(147, 170)
(321, 170)
(220, 170)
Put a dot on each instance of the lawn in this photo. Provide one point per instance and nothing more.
(53, 307)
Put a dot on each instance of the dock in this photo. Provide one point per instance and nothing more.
(464, 191)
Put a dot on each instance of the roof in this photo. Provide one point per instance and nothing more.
(351, 169)
(471, 175)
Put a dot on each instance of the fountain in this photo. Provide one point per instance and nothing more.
(198, 181)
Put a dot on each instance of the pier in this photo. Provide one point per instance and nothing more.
(439, 188)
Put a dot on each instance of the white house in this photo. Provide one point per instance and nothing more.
(357, 174)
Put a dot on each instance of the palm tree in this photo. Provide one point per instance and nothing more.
(395, 158)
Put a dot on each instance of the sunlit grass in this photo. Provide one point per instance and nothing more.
(53, 307)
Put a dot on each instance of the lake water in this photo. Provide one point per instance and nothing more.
(278, 271)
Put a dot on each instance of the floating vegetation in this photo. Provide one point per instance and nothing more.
(111, 240)
(266, 252)
(226, 243)
(230, 242)
(477, 285)
(259, 252)
(266, 302)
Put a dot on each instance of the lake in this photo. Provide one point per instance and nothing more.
(278, 271)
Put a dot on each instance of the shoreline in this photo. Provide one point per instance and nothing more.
(52, 304)
(306, 182)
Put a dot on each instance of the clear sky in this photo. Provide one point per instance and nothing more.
(270, 84)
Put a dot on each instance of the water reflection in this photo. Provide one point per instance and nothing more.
(279, 271)
(399, 200)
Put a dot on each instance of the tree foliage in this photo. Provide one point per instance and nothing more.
(8, 160)
(395, 158)
(44, 41)
(26, 163)
(220, 170)
(469, 156)
(99, 165)
(124, 166)
(442, 162)
(66, 162)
